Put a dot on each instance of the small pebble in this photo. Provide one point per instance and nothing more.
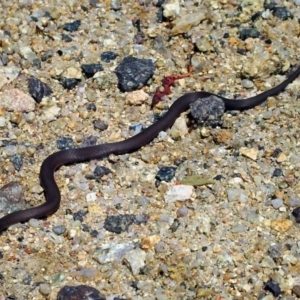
(45, 289)
(72, 26)
(276, 203)
(296, 214)
(165, 173)
(248, 84)
(59, 230)
(64, 143)
(273, 287)
(277, 173)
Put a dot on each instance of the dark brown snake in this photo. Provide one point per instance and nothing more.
(55, 160)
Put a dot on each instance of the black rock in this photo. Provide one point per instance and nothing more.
(108, 56)
(90, 69)
(276, 152)
(99, 124)
(165, 173)
(118, 223)
(281, 12)
(273, 287)
(69, 83)
(296, 214)
(219, 177)
(133, 73)
(208, 111)
(79, 215)
(249, 32)
(17, 161)
(91, 107)
(100, 171)
(64, 143)
(66, 38)
(38, 89)
(80, 292)
(277, 173)
(72, 26)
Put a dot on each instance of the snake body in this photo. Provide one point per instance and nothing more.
(55, 160)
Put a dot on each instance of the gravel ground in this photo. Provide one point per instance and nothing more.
(125, 233)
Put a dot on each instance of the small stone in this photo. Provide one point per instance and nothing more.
(108, 56)
(248, 84)
(276, 152)
(251, 153)
(135, 259)
(296, 288)
(137, 97)
(184, 23)
(91, 69)
(281, 12)
(248, 33)
(179, 129)
(205, 293)
(8, 74)
(79, 292)
(66, 38)
(64, 143)
(171, 10)
(222, 136)
(236, 194)
(111, 252)
(118, 223)
(2, 122)
(12, 197)
(69, 83)
(208, 111)
(149, 242)
(205, 44)
(127, 72)
(281, 225)
(281, 158)
(276, 203)
(17, 160)
(179, 193)
(292, 202)
(34, 223)
(72, 26)
(38, 89)
(45, 289)
(277, 173)
(100, 171)
(59, 229)
(296, 214)
(165, 173)
(100, 125)
(273, 287)
(16, 100)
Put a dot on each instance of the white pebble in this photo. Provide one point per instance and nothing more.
(246, 83)
(2, 122)
(34, 223)
(179, 193)
(45, 289)
(276, 203)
